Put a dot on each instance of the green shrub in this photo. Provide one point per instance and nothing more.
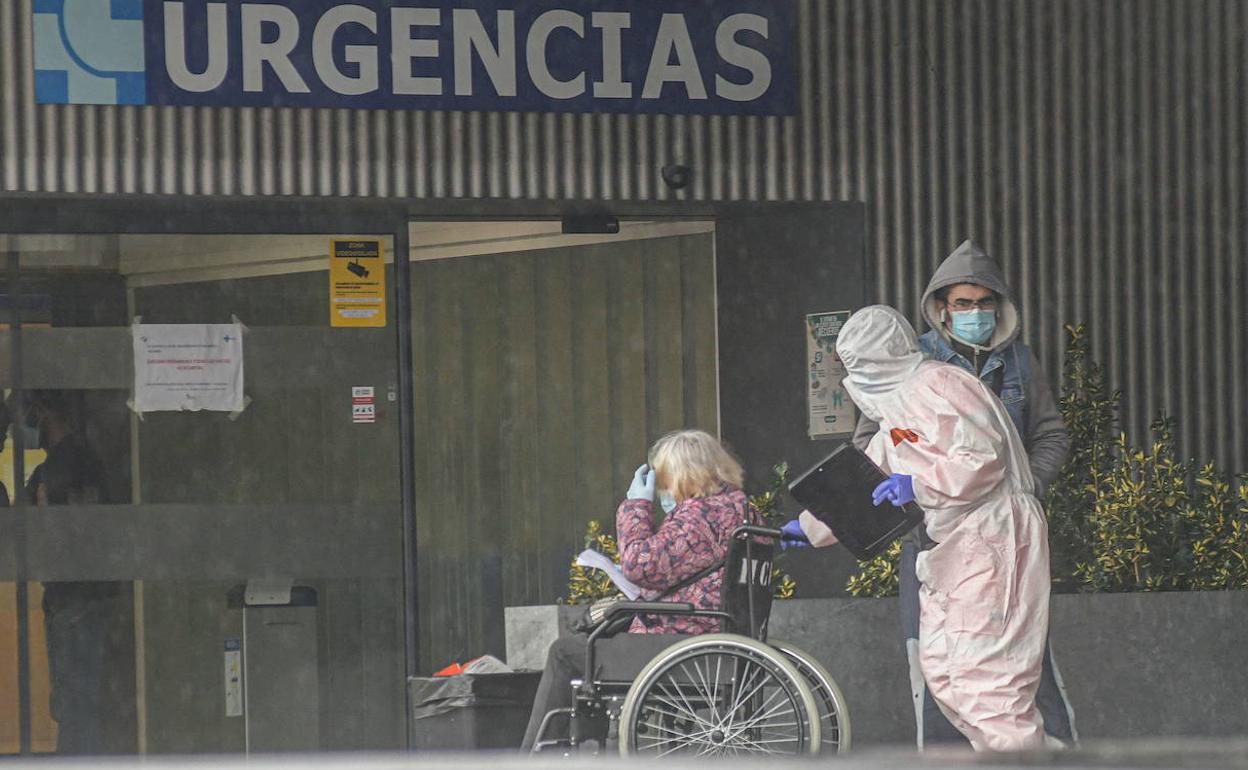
(1123, 518)
(768, 504)
(1090, 412)
(587, 585)
(879, 576)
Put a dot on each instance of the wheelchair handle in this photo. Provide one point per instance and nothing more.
(746, 530)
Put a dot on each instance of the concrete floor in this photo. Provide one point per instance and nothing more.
(1220, 754)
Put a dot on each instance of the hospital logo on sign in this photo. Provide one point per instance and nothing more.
(89, 52)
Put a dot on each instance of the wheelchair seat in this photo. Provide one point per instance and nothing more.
(722, 694)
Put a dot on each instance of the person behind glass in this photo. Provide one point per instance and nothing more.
(77, 614)
(975, 325)
(698, 485)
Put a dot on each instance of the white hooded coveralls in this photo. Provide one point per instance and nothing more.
(984, 596)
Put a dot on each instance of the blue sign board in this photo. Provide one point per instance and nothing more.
(674, 56)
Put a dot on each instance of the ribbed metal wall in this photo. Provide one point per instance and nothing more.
(1096, 147)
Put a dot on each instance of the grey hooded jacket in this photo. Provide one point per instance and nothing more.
(1040, 423)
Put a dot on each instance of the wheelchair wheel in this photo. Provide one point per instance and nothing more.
(719, 695)
(833, 713)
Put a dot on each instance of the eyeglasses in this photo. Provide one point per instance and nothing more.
(987, 303)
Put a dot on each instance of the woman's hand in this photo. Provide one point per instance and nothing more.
(642, 487)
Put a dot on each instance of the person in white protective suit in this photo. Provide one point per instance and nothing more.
(950, 446)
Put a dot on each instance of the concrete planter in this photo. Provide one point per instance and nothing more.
(1134, 665)
(530, 630)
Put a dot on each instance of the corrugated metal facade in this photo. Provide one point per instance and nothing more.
(1095, 147)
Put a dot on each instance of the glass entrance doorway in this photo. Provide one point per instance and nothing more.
(238, 575)
(263, 577)
(544, 366)
(196, 581)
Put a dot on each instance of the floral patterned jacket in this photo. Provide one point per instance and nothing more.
(695, 535)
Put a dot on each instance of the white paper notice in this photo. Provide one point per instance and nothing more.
(188, 367)
(591, 558)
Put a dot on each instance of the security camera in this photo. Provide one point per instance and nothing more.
(677, 176)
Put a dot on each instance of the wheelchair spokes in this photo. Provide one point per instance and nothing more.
(719, 696)
(833, 715)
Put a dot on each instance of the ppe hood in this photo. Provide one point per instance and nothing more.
(880, 351)
(971, 264)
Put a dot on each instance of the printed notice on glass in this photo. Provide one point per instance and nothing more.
(357, 283)
(831, 412)
(188, 367)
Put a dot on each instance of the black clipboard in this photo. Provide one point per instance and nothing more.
(838, 491)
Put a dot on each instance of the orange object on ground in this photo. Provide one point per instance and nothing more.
(451, 670)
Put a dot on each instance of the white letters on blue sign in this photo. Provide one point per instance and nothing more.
(218, 45)
(535, 54)
(363, 56)
(612, 85)
(742, 56)
(673, 39)
(695, 56)
(256, 52)
(405, 50)
(499, 59)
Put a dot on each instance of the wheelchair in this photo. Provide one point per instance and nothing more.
(733, 693)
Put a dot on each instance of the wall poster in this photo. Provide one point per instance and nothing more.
(829, 408)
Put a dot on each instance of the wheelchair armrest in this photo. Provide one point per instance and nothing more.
(649, 608)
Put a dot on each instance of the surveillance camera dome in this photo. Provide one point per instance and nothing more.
(677, 176)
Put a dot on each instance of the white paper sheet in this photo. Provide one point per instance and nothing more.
(188, 367)
(591, 558)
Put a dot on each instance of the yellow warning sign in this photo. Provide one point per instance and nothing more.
(357, 283)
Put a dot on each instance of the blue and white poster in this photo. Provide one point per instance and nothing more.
(675, 56)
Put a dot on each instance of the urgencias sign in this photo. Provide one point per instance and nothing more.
(676, 56)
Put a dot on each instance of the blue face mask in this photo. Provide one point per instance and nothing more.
(974, 326)
(667, 502)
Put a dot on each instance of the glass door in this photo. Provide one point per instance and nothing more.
(204, 534)
(544, 366)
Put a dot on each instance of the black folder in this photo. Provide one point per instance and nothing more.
(838, 491)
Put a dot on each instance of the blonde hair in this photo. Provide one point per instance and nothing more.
(692, 463)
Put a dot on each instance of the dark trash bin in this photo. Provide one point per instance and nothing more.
(471, 711)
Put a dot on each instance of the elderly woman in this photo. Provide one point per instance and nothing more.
(698, 486)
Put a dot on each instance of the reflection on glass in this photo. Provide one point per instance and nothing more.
(148, 532)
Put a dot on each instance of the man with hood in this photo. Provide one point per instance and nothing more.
(975, 326)
(952, 447)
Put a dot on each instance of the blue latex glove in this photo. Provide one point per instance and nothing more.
(642, 487)
(898, 489)
(794, 537)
